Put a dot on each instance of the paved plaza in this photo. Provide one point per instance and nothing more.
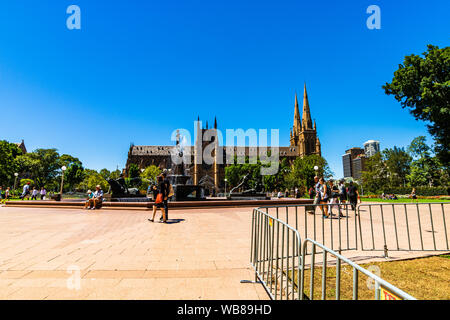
(119, 254)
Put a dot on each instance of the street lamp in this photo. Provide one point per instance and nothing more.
(15, 182)
(226, 187)
(64, 168)
(316, 169)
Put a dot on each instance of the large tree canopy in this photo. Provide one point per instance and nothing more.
(422, 84)
(8, 165)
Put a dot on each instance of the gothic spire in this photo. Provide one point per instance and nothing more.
(215, 122)
(306, 118)
(297, 120)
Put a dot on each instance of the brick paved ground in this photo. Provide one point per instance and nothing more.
(203, 254)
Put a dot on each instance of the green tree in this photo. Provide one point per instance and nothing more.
(151, 172)
(8, 164)
(426, 170)
(397, 163)
(375, 176)
(422, 84)
(74, 173)
(91, 179)
(105, 173)
(133, 171)
(115, 174)
(303, 173)
(42, 166)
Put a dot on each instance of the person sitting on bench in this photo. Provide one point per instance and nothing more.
(97, 200)
(87, 204)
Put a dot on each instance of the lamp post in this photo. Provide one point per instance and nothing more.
(64, 168)
(226, 187)
(15, 182)
(316, 169)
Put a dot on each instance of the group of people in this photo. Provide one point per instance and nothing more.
(161, 193)
(95, 199)
(330, 195)
(26, 193)
(33, 194)
(391, 196)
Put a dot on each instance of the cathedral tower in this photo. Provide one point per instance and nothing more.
(304, 133)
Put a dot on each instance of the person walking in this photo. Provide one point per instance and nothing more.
(324, 195)
(43, 193)
(334, 196)
(353, 195)
(34, 194)
(26, 191)
(170, 194)
(159, 193)
(315, 194)
(342, 192)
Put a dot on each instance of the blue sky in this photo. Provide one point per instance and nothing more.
(137, 70)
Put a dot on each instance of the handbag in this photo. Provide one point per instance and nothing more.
(159, 198)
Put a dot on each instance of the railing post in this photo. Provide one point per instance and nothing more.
(355, 284)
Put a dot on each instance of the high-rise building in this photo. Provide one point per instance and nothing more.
(371, 147)
(358, 166)
(351, 168)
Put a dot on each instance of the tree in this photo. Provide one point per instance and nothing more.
(105, 173)
(151, 172)
(422, 84)
(42, 166)
(303, 172)
(8, 164)
(133, 171)
(425, 169)
(75, 171)
(397, 163)
(91, 179)
(375, 176)
(115, 174)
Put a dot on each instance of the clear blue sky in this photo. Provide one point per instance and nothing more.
(137, 70)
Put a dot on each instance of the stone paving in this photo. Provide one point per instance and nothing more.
(119, 254)
(49, 253)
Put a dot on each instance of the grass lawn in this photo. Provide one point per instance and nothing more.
(423, 278)
(403, 200)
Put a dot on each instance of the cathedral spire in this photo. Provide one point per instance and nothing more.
(215, 122)
(297, 121)
(306, 118)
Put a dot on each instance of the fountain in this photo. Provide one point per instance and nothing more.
(183, 188)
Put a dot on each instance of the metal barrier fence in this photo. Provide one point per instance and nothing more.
(379, 283)
(404, 227)
(275, 255)
(339, 232)
(279, 261)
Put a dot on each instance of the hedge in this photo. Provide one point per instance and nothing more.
(420, 191)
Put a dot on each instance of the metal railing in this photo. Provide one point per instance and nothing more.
(339, 232)
(275, 255)
(404, 227)
(379, 283)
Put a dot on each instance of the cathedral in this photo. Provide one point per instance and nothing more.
(303, 141)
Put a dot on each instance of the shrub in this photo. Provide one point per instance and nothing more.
(420, 191)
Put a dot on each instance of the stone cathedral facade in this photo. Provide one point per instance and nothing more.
(303, 141)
